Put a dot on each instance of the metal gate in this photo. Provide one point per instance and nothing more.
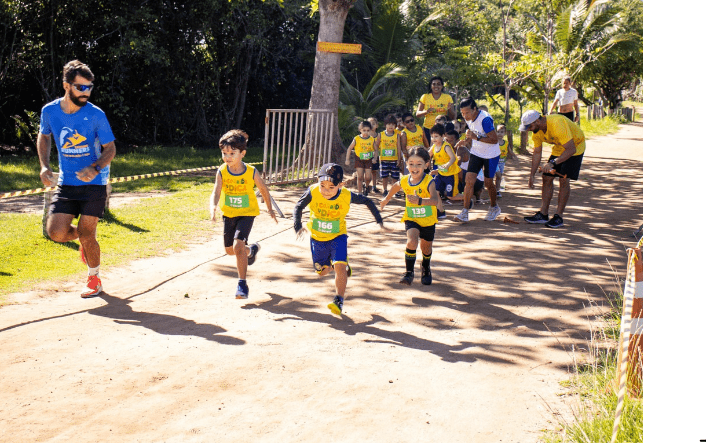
(297, 143)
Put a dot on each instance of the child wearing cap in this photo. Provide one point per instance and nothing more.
(329, 203)
(234, 193)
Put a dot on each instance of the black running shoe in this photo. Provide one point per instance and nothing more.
(407, 278)
(555, 222)
(537, 218)
(426, 276)
(254, 248)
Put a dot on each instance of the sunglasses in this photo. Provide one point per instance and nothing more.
(82, 88)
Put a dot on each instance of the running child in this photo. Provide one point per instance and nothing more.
(503, 156)
(388, 145)
(329, 203)
(364, 147)
(419, 217)
(446, 171)
(234, 193)
(375, 168)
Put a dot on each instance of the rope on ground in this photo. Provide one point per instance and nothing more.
(114, 180)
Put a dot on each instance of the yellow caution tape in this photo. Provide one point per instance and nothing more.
(114, 180)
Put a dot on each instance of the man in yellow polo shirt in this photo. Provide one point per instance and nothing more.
(564, 161)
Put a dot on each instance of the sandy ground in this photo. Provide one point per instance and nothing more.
(167, 354)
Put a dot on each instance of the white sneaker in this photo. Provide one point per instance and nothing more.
(461, 216)
(493, 213)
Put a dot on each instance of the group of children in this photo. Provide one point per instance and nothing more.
(433, 171)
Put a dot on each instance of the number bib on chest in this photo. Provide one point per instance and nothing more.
(326, 227)
(389, 152)
(419, 211)
(366, 155)
(238, 201)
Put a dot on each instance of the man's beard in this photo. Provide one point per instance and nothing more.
(75, 100)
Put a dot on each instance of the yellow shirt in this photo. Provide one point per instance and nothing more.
(388, 147)
(435, 107)
(422, 215)
(415, 138)
(559, 131)
(441, 158)
(238, 192)
(364, 147)
(327, 218)
(503, 149)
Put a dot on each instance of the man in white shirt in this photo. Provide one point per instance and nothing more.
(568, 100)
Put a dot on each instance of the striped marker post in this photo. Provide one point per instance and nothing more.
(630, 351)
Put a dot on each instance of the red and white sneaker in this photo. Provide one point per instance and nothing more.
(93, 287)
(82, 253)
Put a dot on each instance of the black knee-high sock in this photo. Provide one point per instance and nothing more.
(426, 261)
(410, 257)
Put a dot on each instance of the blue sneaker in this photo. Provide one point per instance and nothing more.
(254, 249)
(242, 292)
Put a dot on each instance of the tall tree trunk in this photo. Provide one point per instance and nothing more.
(327, 66)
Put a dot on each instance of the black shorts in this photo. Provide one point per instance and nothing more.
(425, 232)
(569, 115)
(570, 167)
(79, 200)
(236, 227)
(489, 165)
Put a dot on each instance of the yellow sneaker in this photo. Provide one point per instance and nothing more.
(337, 305)
(93, 287)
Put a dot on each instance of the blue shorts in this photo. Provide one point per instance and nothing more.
(388, 168)
(501, 168)
(326, 253)
(489, 165)
(446, 184)
(375, 166)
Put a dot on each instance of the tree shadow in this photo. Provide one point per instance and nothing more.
(109, 217)
(120, 311)
(461, 352)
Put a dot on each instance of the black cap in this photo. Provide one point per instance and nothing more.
(331, 172)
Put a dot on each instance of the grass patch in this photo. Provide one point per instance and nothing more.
(594, 386)
(150, 227)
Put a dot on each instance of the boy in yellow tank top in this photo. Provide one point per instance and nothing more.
(329, 203)
(234, 194)
(445, 167)
(420, 212)
(363, 146)
(388, 145)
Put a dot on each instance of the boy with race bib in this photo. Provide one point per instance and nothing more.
(388, 145)
(364, 147)
(420, 212)
(234, 194)
(329, 203)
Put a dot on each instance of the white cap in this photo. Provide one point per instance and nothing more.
(528, 118)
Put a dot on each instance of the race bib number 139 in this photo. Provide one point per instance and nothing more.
(419, 211)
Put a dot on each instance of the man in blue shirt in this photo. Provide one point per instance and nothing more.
(86, 147)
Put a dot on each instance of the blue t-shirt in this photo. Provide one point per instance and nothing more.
(78, 139)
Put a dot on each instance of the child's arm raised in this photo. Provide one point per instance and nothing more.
(393, 190)
(348, 153)
(264, 190)
(450, 152)
(360, 199)
(417, 200)
(298, 208)
(216, 194)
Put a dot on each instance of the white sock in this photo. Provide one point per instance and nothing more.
(93, 271)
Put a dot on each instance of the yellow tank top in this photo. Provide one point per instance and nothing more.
(388, 147)
(422, 215)
(415, 138)
(442, 157)
(503, 149)
(327, 218)
(238, 192)
(364, 147)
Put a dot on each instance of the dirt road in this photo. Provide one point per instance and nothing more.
(168, 355)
